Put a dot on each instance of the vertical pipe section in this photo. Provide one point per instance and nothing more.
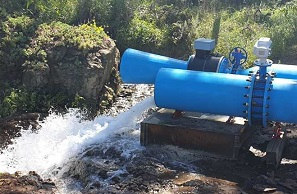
(139, 67)
(204, 92)
(224, 94)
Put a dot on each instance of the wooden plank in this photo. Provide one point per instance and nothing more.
(195, 131)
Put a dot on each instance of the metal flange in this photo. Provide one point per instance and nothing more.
(258, 98)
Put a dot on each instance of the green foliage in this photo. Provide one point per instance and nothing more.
(91, 9)
(239, 30)
(15, 30)
(244, 27)
(53, 10)
(120, 15)
(283, 28)
(143, 34)
(160, 28)
(17, 100)
(57, 34)
(90, 107)
(13, 7)
(79, 101)
(15, 35)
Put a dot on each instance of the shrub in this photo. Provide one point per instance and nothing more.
(15, 36)
(143, 34)
(53, 10)
(56, 34)
(16, 100)
(13, 7)
(239, 30)
(283, 28)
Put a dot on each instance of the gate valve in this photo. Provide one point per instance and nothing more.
(237, 56)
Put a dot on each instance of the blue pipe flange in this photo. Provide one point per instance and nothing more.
(258, 98)
(268, 88)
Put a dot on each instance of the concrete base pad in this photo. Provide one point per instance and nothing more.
(205, 132)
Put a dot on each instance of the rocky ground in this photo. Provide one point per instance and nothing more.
(31, 183)
(169, 169)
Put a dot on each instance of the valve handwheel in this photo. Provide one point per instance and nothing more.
(238, 56)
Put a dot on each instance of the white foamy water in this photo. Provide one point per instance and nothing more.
(62, 137)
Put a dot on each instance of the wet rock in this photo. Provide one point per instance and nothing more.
(10, 127)
(289, 184)
(112, 152)
(263, 188)
(24, 184)
(103, 174)
(116, 179)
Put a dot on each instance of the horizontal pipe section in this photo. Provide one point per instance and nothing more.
(281, 70)
(283, 101)
(139, 67)
(203, 92)
(223, 94)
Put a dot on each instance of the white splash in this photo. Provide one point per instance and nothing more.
(64, 136)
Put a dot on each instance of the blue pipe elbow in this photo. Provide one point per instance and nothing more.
(139, 67)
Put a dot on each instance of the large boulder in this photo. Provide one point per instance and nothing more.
(79, 64)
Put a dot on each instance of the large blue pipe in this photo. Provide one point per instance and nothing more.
(281, 70)
(141, 67)
(201, 92)
(223, 94)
